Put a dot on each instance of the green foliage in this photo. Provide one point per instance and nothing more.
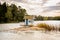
(3, 10)
(8, 14)
(56, 18)
(47, 18)
(22, 13)
(38, 17)
(11, 13)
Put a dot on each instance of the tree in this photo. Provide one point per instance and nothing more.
(21, 14)
(11, 13)
(3, 10)
(14, 11)
(39, 18)
(8, 15)
(45, 18)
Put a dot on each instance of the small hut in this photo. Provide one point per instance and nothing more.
(29, 19)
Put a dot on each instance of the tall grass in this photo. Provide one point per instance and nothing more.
(46, 26)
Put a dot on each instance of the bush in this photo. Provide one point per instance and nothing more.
(45, 26)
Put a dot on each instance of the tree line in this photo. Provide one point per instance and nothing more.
(11, 13)
(46, 18)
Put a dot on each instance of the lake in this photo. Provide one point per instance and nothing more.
(35, 35)
(29, 35)
(16, 25)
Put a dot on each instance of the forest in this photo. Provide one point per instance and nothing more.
(11, 13)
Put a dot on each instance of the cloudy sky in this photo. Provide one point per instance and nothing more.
(38, 7)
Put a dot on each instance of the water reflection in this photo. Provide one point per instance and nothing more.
(29, 35)
(32, 35)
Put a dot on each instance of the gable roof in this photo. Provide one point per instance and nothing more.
(28, 17)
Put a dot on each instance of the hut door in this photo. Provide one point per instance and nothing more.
(26, 22)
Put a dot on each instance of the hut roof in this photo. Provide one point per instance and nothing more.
(28, 17)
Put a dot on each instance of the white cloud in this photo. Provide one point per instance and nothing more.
(52, 13)
(51, 2)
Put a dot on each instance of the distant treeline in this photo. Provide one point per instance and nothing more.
(47, 18)
(11, 13)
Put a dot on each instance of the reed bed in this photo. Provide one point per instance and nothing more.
(48, 27)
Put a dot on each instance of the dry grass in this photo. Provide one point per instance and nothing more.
(45, 26)
(41, 26)
(31, 25)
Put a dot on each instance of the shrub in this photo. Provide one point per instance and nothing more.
(45, 26)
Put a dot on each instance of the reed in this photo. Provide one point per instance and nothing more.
(45, 26)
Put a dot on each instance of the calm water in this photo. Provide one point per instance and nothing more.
(35, 35)
(29, 35)
(16, 25)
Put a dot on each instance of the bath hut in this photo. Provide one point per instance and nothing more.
(29, 19)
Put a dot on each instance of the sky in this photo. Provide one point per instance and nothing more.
(38, 7)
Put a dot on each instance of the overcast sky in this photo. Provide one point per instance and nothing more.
(38, 7)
